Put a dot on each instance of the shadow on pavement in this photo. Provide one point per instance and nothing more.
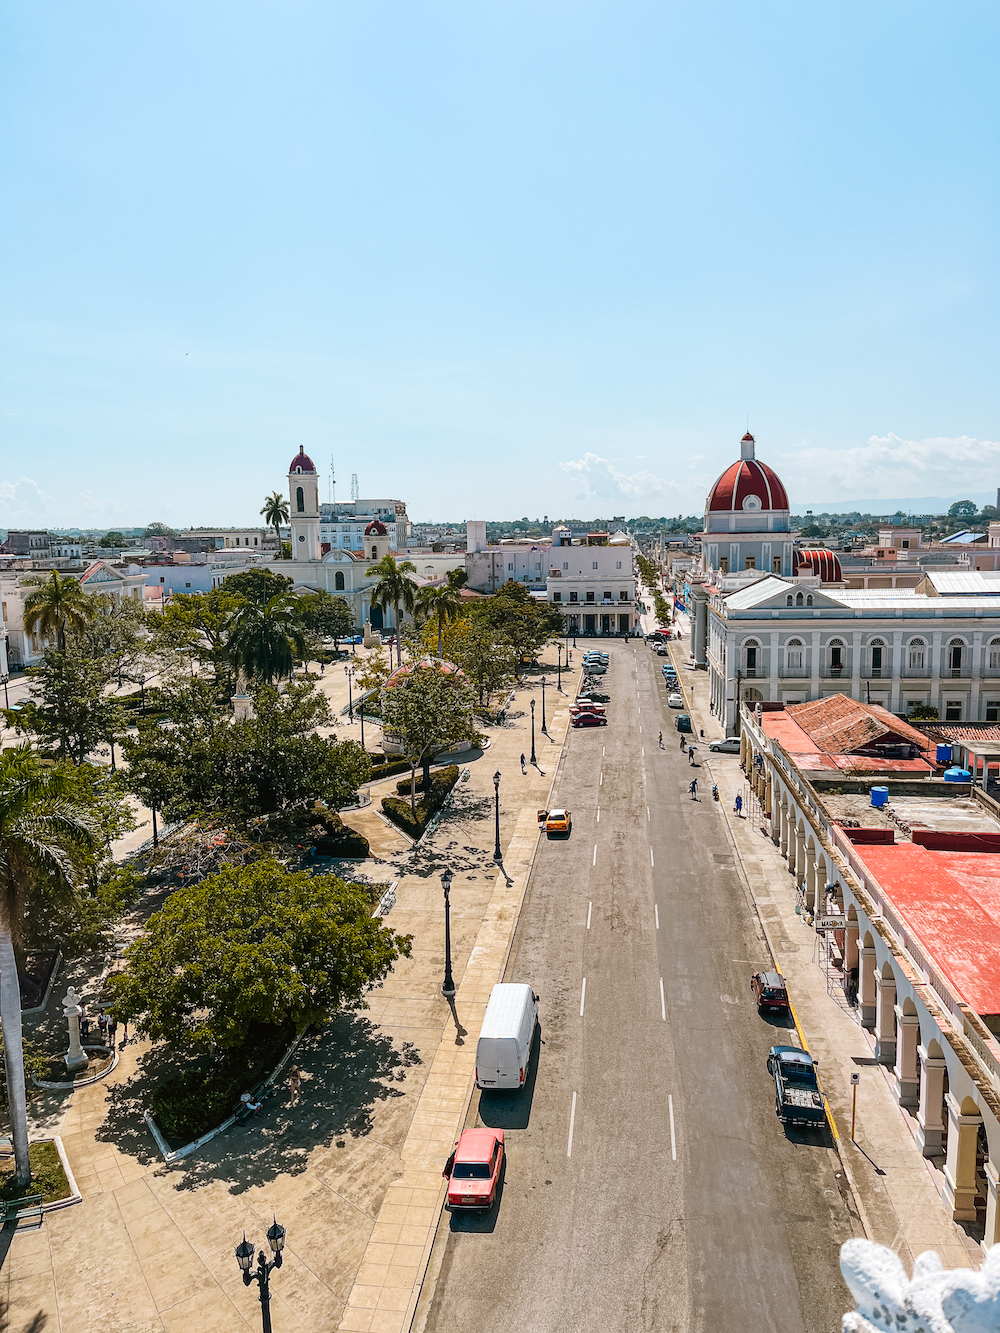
(347, 1070)
(512, 1110)
(784, 1021)
(804, 1136)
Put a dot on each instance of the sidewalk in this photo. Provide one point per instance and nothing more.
(894, 1185)
(353, 1170)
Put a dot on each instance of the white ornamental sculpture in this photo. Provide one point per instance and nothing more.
(76, 1057)
(934, 1300)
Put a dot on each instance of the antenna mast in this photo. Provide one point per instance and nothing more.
(354, 486)
(333, 482)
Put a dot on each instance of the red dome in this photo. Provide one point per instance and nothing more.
(823, 565)
(745, 479)
(302, 463)
(376, 529)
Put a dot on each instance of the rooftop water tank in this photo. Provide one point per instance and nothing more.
(880, 796)
(957, 775)
(944, 754)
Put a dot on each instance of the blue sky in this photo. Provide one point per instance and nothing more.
(497, 259)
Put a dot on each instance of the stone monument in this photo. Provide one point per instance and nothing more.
(76, 1057)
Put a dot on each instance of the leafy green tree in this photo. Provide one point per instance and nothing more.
(39, 827)
(256, 584)
(198, 623)
(250, 949)
(438, 602)
(962, 509)
(515, 617)
(116, 635)
(70, 710)
(923, 713)
(429, 710)
(326, 616)
(58, 606)
(490, 663)
(393, 588)
(265, 638)
(275, 512)
(113, 540)
(158, 530)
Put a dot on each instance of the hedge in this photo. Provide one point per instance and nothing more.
(413, 822)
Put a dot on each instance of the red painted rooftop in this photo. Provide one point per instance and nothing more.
(951, 902)
(748, 477)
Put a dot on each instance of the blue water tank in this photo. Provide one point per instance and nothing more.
(880, 796)
(957, 775)
(944, 754)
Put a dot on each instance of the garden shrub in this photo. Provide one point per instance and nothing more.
(413, 822)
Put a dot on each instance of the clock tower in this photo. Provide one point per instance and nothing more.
(303, 508)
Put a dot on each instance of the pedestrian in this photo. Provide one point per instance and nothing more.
(661, 740)
(322, 667)
(691, 755)
(84, 1027)
(738, 807)
(702, 733)
(125, 1033)
(683, 742)
(524, 764)
(102, 1027)
(294, 1084)
(693, 789)
(112, 1029)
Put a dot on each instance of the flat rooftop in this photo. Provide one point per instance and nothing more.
(942, 814)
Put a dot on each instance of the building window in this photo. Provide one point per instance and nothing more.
(953, 710)
(607, 597)
(836, 656)
(573, 597)
(338, 581)
(798, 599)
(374, 552)
(750, 652)
(917, 656)
(955, 656)
(510, 567)
(809, 599)
(995, 654)
(565, 564)
(619, 565)
(750, 562)
(187, 585)
(793, 654)
(993, 710)
(623, 596)
(595, 564)
(300, 500)
(557, 596)
(877, 648)
(590, 596)
(776, 564)
(788, 600)
(724, 564)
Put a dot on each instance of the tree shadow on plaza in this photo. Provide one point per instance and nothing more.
(348, 1070)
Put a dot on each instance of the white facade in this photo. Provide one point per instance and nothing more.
(303, 497)
(342, 524)
(25, 649)
(593, 587)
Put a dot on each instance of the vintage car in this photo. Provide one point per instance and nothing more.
(797, 1098)
(557, 823)
(769, 992)
(474, 1169)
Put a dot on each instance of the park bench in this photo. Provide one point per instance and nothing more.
(26, 1209)
(242, 1112)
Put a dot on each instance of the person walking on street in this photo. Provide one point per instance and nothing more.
(683, 741)
(693, 789)
(691, 755)
(524, 765)
(738, 807)
(84, 1028)
(112, 1029)
(661, 740)
(294, 1084)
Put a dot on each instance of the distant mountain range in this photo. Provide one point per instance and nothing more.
(921, 504)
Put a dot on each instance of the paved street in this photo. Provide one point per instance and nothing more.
(649, 1183)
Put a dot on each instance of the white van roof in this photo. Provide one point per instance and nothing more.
(505, 1010)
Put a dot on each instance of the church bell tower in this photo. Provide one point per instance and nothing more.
(303, 508)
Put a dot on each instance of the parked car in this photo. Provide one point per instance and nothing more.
(683, 722)
(593, 697)
(797, 1098)
(504, 1047)
(731, 745)
(473, 1170)
(675, 701)
(669, 669)
(557, 823)
(661, 650)
(769, 991)
(588, 720)
(591, 658)
(596, 668)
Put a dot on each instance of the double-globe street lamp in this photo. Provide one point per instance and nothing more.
(261, 1275)
(448, 987)
(559, 649)
(533, 759)
(497, 856)
(349, 673)
(545, 730)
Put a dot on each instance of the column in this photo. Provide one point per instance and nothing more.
(850, 946)
(800, 853)
(743, 750)
(930, 1125)
(866, 987)
(819, 884)
(806, 877)
(777, 817)
(992, 1217)
(885, 1020)
(907, 1041)
(785, 821)
(960, 1164)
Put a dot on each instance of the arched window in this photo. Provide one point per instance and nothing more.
(338, 581)
(788, 600)
(798, 599)
(751, 650)
(917, 656)
(793, 654)
(836, 655)
(374, 552)
(955, 656)
(300, 500)
(994, 658)
(809, 600)
(877, 647)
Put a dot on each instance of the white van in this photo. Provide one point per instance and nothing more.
(504, 1047)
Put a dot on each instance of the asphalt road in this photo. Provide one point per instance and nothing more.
(649, 1184)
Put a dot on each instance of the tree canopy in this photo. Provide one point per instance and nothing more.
(429, 710)
(253, 947)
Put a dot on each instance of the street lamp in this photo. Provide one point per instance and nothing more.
(544, 728)
(244, 1257)
(349, 673)
(448, 987)
(533, 759)
(6, 697)
(559, 668)
(496, 798)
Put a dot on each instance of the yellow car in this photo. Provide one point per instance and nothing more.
(557, 822)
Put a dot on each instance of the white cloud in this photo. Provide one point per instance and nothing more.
(597, 478)
(24, 504)
(889, 466)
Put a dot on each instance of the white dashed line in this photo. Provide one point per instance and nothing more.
(651, 861)
(601, 783)
(583, 996)
(572, 1122)
(594, 862)
(590, 908)
(602, 751)
(648, 816)
(656, 910)
(663, 1003)
(670, 1108)
(598, 814)
(642, 751)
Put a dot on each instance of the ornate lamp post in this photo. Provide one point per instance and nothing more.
(545, 731)
(261, 1275)
(448, 988)
(349, 673)
(6, 697)
(533, 759)
(559, 687)
(496, 800)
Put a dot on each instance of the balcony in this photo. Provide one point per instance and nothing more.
(793, 673)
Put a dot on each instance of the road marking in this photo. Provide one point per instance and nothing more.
(637, 708)
(670, 1108)
(663, 1003)
(572, 1122)
(602, 751)
(656, 909)
(583, 996)
(640, 731)
(648, 816)
(601, 783)
(598, 814)
(590, 908)
(594, 862)
(651, 861)
(642, 751)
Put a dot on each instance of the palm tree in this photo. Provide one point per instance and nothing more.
(264, 638)
(58, 605)
(393, 589)
(441, 600)
(275, 512)
(39, 826)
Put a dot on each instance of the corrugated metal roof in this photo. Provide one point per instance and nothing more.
(973, 581)
(962, 538)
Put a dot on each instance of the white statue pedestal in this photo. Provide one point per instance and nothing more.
(76, 1057)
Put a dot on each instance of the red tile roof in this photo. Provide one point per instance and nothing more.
(840, 725)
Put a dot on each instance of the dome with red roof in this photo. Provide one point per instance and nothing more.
(302, 463)
(820, 563)
(747, 486)
(376, 529)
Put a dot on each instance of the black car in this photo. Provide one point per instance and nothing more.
(593, 697)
